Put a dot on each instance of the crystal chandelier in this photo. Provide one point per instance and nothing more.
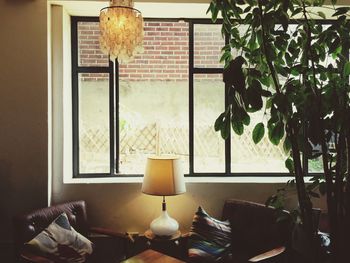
(121, 27)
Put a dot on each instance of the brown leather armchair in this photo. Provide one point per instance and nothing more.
(257, 235)
(27, 226)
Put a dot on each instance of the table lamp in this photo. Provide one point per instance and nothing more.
(164, 177)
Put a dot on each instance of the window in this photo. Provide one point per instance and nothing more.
(164, 102)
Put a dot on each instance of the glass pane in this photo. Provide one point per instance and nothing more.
(89, 53)
(153, 102)
(316, 165)
(94, 146)
(208, 42)
(248, 157)
(209, 102)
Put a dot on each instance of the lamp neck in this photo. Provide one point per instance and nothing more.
(163, 204)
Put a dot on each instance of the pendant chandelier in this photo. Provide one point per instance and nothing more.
(121, 27)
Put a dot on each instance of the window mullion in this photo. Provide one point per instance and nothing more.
(116, 144)
(111, 118)
(228, 140)
(75, 97)
(191, 97)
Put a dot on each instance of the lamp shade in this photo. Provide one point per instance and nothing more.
(163, 176)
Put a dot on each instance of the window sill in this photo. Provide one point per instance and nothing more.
(128, 180)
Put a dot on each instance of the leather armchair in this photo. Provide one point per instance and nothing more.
(27, 226)
(257, 235)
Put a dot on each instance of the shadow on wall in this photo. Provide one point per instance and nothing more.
(6, 190)
(18, 2)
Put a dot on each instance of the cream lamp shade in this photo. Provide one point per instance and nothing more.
(163, 176)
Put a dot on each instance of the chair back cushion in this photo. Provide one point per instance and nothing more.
(255, 227)
(209, 238)
(27, 226)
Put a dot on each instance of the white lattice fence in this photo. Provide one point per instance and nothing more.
(138, 139)
(170, 139)
(173, 140)
(94, 139)
(245, 148)
(207, 142)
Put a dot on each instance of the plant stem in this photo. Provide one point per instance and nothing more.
(304, 200)
(338, 193)
(329, 186)
(269, 63)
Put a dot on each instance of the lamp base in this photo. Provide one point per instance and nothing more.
(164, 225)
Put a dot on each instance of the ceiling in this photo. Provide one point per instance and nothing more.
(149, 8)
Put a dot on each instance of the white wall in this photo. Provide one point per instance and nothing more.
(23, 109)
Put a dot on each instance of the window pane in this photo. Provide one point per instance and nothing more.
(208, 42)
(209, 102)
(154, 98)
(248, 157)
(94, 146)
(316, 165)
(89, 53)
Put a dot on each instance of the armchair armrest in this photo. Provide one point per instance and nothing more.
(268, 254)
(124, 237)
(108, 232)
(35, 258)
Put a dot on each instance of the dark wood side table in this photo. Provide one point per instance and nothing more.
(151, 256)
(153, 238)
(167, 245)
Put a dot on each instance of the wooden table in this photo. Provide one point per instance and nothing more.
(151, 256)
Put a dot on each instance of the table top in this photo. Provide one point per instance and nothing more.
(149, 235)
(151, 256)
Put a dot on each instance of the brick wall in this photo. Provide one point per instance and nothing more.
(165, 56)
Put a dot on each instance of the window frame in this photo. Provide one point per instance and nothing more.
(112, 69)
(76, 70)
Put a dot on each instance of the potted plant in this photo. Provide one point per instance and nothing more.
(298, 76)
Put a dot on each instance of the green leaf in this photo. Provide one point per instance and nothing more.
(321, 14)
(341, 11)
(214, 11)
(226, 56)
(225, 129)
(237, 127)
(347, 69)
(258, 132)
(287, 145)
(289, 165)
(219, 122)
(266, 93)
(276, 132)
(245, 117)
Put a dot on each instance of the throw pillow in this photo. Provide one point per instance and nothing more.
(209, 238)
(60, 242)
